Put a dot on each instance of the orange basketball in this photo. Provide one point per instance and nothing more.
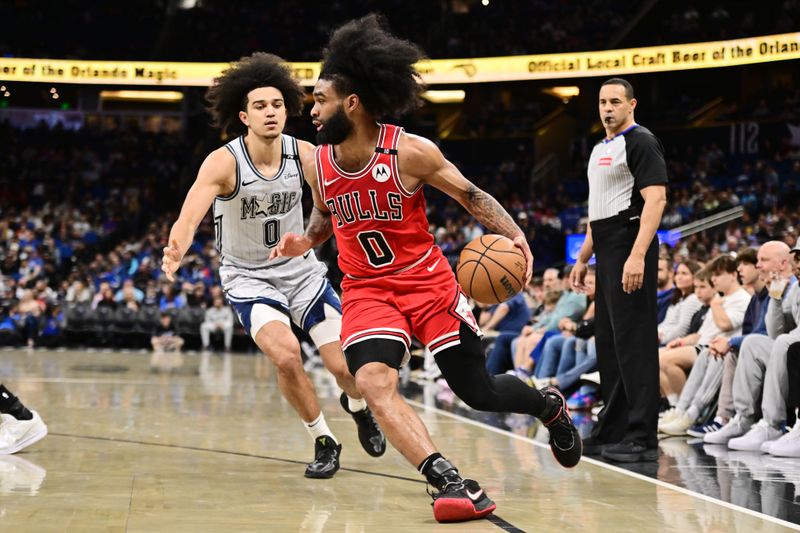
(491, 269)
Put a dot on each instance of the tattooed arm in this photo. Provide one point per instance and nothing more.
(490, 213)
(421, 161)
(319, 228)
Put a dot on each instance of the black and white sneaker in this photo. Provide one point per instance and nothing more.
(369, 432)
(326, 458)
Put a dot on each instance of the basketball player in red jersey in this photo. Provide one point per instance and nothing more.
(397, 282)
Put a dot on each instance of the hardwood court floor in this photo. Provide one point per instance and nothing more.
(211, 446)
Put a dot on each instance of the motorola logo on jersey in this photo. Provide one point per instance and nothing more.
(353, 206)
(381, 173)
(276, 203)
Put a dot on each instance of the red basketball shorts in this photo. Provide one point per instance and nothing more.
(426, 302)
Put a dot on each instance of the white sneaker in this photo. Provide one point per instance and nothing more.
(541, 383)
(751, 441)
(18, 434)
(668, 416)
(677, 425)
(736, 427)
(766, 446)
(789, 444)
(594, 377)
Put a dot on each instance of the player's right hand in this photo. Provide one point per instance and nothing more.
(521, 243)
(577, 276)
(290, 245)
(171, 260)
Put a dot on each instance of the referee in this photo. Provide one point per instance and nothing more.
(627, 195)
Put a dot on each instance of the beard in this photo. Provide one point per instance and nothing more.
(336, 129)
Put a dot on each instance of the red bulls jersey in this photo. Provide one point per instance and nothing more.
(380, 227)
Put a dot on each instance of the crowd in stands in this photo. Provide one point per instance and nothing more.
(85, 214)
(214, 30)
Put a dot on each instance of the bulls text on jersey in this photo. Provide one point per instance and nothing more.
(353, 207)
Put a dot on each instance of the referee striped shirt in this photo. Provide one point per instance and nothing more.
(620, 167)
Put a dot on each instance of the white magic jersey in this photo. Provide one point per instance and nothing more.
(250, 221)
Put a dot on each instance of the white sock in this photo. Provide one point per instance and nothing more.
(672, 399)
(319, 428)
(356, 405)
(692, 412)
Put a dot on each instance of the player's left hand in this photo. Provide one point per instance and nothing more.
(633, 274)
(290, 245)
(522, 244)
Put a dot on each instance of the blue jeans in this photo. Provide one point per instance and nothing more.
(550, 360)
(584, 359)
(538, 352)
(501, 356)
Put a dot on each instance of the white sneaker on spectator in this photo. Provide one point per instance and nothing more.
(736, 427)
(18, 434)
(789, 444)
(594, 377)
(760, 433)
(668, 416)
(541, 383)
(677, 425)
(766, 446)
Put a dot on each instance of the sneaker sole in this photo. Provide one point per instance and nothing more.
(32, 439)
(458, 510)
(319, 475)
(785, 453)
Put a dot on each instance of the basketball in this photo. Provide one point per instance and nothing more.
(491, 269)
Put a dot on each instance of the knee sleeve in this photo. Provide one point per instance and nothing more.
(260, 314)
(326, 331)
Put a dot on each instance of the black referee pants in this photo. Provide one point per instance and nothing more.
(626, 337)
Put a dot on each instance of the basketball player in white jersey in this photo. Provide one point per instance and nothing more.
(255, 183)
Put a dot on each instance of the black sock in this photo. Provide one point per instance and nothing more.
(11, 405)
(425, 466)
(551, 408)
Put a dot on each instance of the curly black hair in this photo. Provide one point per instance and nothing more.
(363, 58)
(227, 96)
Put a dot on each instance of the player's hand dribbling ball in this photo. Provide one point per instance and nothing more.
(491, 269)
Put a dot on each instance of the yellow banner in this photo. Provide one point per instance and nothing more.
(438, 71)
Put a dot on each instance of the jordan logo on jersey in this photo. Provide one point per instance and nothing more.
(276, 203)
(352, 207)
